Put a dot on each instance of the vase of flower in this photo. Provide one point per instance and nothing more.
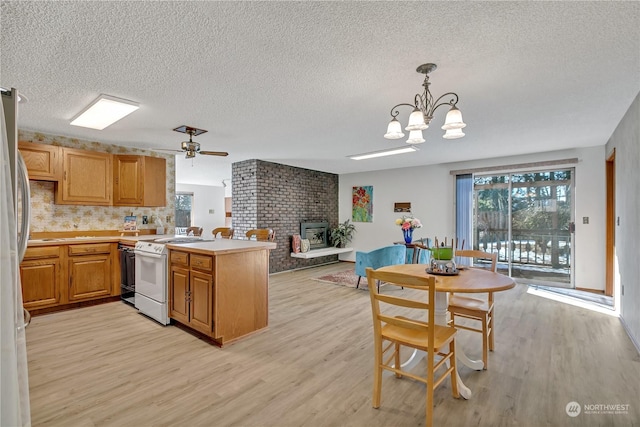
(408, 224)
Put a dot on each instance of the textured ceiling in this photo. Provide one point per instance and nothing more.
(309, 83)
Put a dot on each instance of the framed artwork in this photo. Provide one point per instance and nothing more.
(362, 205)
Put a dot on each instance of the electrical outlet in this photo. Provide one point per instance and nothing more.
(145, 219)
(212, 211)
(168, 218)
(585, 220)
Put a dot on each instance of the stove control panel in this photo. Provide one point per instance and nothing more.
(150, 247)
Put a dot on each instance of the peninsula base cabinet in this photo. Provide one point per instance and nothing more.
(224, 296)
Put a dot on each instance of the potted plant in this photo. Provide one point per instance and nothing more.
(342, 234)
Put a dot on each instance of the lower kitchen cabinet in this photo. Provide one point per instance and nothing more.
(89, 277)
(61, 276)
(201, 301)
(179, 294)
(41, 273)
(191, 291)
(224, 296)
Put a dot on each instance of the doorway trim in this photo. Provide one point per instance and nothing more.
(610, 176)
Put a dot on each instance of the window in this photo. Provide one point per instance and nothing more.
(184, 212)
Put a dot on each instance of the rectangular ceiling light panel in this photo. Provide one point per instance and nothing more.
(104, 111)
(383, 153)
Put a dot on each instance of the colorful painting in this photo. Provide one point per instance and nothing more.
(362, 208)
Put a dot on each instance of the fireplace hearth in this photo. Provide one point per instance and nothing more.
(316, 232)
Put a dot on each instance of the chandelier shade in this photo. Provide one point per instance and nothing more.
(424, 106)
(453, 134)
(394, 130)
(416, 121)
(415, 137)
(453, 120)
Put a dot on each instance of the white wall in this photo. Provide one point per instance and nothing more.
(626, 142)
(430, 189)
(206, 197)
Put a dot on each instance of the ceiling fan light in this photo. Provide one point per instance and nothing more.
(415, 137)
(190, 154)
(394, 130)
(453, 134)
(416, 121)
(453, 120)
(185, 145)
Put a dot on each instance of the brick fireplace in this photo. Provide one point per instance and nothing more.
(281, 197)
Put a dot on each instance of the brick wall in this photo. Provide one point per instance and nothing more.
(271, 195)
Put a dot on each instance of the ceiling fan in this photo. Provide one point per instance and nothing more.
(191, 148)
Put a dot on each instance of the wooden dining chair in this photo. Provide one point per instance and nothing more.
(225, 232)
(391, 332)
(261, 234)
(195, 231)
(477, 309)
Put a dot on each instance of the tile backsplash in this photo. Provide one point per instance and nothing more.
(46, 216)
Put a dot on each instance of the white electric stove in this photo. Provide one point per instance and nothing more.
(151, 280)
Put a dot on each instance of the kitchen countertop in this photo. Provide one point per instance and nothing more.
(222, 246)
(95, 239)
(218, 246)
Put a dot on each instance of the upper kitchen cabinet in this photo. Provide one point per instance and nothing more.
(43, 161)
(86, 178)
(139, 180)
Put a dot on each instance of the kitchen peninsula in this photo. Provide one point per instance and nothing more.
(220, 288)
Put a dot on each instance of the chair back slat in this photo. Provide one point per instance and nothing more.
(475, 254)
(194, 231)
(403, 323)
(261, 234)
(225, 232)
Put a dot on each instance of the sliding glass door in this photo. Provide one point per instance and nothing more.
(527, 218)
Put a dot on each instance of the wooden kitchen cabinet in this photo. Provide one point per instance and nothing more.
(57, 276)
(222, 292)
(90, 271)
(41, 274)
(86, 178)
(191, 291)
(43, 161)
(178, 294)
(139, 180)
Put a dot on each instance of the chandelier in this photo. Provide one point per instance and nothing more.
(423, 108)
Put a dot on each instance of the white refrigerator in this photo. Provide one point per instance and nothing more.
(14, 233)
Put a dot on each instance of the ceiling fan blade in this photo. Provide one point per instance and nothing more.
(167, 149)
(214, 153)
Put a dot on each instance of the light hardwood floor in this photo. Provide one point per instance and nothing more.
(109, 365)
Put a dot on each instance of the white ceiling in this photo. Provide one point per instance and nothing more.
(309, 83)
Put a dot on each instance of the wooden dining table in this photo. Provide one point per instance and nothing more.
(468, 280)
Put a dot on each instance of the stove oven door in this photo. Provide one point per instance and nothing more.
(151, 286)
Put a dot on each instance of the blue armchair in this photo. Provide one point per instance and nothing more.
(389, 255)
